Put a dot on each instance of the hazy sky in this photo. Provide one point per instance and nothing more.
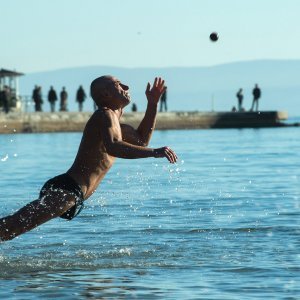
(39, 35)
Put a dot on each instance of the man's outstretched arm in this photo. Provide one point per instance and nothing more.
(147, 125)
(116, 146)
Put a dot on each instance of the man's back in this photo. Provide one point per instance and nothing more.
(52, 96)
(63, 95)
(164, 96)
(256, 92)
(240, 95)
(80, 97)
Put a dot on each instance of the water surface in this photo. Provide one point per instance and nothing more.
(223, 223)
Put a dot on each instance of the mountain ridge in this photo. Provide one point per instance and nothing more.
(189, 88)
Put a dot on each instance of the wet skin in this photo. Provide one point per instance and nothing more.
(104, 139)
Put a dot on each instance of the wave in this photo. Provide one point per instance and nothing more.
(15, 268)
(248, 229)
(186, 231)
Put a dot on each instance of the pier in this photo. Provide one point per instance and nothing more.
(16, 122)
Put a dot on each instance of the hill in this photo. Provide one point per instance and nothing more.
(189, 88)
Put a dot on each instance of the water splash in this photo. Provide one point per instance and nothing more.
(5, 158)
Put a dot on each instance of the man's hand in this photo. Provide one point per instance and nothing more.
(153, 94)
(166, 152)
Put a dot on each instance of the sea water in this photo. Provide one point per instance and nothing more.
(222, 223)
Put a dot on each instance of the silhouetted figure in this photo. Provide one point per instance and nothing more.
(63, 99)
(4, 98)
(52, 98)
(163, 101)
(256, 95)
(34, 95)
(1, 97)
(37, 98)
(80, 97)
(134, 107)
(233, 109)
(240, 97)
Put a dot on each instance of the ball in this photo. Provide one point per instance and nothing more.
(214, 37)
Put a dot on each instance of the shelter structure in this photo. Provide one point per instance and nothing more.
(10, 78)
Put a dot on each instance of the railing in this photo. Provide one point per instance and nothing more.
(27, 105)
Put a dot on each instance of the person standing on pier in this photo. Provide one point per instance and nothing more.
(52, 98)
(134, 107)
(80, 97)
(256, 95)
(63, 99)
(4, 98)
(163, 101)
(240, 97)
(37, 98)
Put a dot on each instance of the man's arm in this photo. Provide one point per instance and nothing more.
(116, 146)
(131, 136)
(147, 125)
(144, 131)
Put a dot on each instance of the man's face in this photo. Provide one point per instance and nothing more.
(119, 92)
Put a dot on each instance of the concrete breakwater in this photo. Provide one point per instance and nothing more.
(74, 121)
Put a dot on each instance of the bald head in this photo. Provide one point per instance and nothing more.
(108, 91)
(99, 88)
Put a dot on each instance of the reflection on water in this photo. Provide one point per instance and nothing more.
(221, 224)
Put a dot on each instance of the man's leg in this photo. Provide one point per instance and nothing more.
(34, 214)
(252, 106)
(6, 107)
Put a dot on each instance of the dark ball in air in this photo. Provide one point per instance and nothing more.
(214, 37)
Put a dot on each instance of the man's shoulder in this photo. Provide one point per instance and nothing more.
(101, 118)
(101, 113)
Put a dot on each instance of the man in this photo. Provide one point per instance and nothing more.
(256, 95)
(163, 101)
(5, 97)
(63, 99)
(37, 98)
(52, 98)
(134, 107)
(240, 97)
(80, 97)
(104, 139)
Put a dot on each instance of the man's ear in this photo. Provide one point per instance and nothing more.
(106, 93)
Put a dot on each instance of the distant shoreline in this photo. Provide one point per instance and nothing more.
(74, 121)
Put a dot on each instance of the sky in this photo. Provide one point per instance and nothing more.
(42, 35)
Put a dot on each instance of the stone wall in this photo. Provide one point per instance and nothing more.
(75, 121)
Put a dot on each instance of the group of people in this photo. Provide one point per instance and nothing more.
(52, 98)
(256, 92)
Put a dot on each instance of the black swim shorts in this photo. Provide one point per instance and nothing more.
(65, 182)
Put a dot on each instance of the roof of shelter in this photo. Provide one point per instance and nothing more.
(9, 73)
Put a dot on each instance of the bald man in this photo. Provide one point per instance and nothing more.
(104, 139)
